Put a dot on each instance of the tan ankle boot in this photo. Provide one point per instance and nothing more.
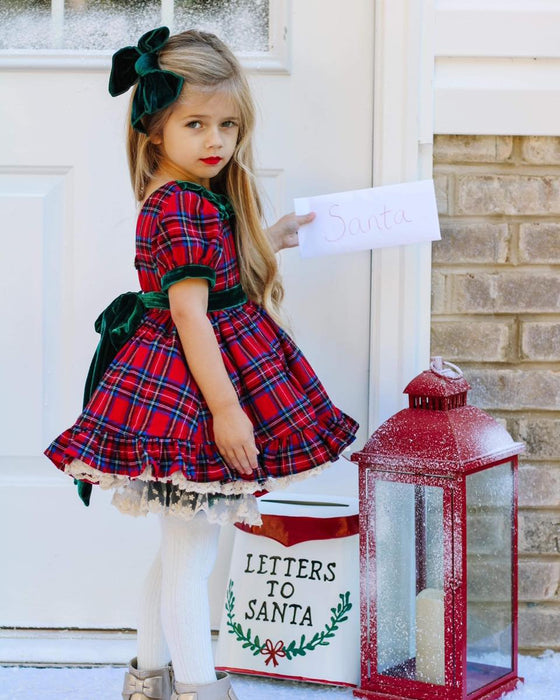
(219, 690)
(147, 685)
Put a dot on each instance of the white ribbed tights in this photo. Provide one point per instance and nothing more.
(174, 617)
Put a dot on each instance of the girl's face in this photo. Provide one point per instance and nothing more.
(199, 137)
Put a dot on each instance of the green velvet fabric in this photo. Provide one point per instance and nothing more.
(227, 299)
(116, 324)
(220, 201)
(157, 88)
(184, 272)
(84, 491)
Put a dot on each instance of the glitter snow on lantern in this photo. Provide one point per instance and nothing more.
(438, 548)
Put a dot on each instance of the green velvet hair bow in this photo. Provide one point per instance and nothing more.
(157, 88)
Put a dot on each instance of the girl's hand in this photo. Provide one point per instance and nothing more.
(234, 436)
(284, 233)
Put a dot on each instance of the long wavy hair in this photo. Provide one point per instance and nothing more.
(205, 62)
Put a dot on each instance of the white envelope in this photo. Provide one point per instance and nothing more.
(378, 217)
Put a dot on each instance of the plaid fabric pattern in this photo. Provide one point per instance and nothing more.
(148, 411)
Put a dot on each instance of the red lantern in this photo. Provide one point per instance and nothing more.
(438, 548)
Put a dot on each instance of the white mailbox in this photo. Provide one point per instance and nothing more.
(292, 607)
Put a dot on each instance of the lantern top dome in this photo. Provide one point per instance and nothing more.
(440, 388)
(439, 432)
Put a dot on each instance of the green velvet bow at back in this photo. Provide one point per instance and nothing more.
(116, 324)
(157, 88)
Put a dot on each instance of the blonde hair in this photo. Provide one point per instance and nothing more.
(203, 61)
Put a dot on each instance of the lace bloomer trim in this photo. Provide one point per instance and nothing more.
(222, 502)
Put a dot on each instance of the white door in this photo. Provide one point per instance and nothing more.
(68, 220)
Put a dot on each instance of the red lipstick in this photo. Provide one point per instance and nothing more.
(213, 160)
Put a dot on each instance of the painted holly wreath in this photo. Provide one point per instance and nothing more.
(279, 650)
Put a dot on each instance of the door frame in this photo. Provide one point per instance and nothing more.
(402, 152)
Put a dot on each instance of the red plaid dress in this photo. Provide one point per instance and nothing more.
(147, 422)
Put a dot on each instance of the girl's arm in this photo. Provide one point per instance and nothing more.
(233, 430)
(284, 233)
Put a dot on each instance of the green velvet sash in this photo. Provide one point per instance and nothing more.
(118, 323)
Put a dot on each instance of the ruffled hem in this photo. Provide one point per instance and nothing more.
(112, 455)
(151, 474)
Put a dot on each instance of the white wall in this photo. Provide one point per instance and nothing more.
(497, 67)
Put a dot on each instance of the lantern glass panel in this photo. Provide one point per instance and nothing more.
(409, 581)
(489, 575)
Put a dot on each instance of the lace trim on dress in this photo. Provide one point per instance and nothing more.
(223, 503)
(82, 471)
(142, 497)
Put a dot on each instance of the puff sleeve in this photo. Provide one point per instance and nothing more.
(189, 240)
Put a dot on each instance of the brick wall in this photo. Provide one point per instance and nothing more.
(496, 313)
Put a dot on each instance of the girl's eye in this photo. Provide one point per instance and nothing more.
(229, 124)
(194, 125)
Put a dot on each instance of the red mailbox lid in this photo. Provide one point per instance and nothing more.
(295, 518)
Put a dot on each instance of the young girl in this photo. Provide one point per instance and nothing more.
(207, 401)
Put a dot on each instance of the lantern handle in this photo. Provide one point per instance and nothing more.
(444, 369)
